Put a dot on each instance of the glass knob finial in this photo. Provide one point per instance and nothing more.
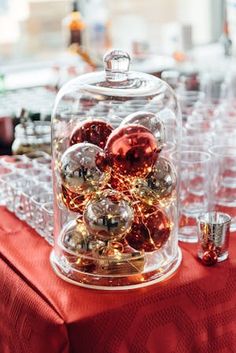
(116, 64)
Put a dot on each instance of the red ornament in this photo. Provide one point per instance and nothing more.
(132, 150)
(144, 210)
(158, 226)
(94, 131)
(209, 258)
(139, 238)
(151, 229)
(74, 202)
(210, 246)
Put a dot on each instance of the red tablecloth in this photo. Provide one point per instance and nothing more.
(194, 311)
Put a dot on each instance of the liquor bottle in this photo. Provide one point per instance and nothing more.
(98, 38)
(74, 25)
(2, 82)
(225, 40)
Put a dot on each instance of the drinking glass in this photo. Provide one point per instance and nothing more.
(48, 221)
(37, 202)
(11, 184)
(45, 180)
(37, 154)
(188, 100)
(3, 171)
(211, 85)
(42, 162)
(11, 161)
(194, 192)
(19, 201)
(28, 203)
(213, 233)
(198, 126)
(23, 167)
(197, 142)
(34, 173)
(223, 184)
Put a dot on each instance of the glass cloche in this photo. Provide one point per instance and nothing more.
(115, 179)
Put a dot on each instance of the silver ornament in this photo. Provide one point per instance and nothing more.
(159, 184)
(108, 216)
(82, 168)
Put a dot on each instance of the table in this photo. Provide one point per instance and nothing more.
(194, 311)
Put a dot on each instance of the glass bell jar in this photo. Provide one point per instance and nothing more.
(114, 134)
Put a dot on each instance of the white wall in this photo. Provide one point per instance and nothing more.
(145, 19)
(198, 13)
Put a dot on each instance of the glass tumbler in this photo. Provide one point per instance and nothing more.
(12, 186)
(23, 167)
(28, 203)
(19, 200)
(194, 192)
(188, 100)
(3, 171)
(213, 233)
(42, 162)
(48, 221)
(223, 187)
(37, 202)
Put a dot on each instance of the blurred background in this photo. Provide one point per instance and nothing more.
(44, 43)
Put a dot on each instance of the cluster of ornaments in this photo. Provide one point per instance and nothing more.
(118, 184)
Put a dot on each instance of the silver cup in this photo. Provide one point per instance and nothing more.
(213, 235)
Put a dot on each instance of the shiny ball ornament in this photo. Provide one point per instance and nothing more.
(74, 202)
(139, 238)
(108, 216)
(209, 258)
(78, 246)
(132, 150)
(151, 230)
(75, 237)
(159, 184)
(150, 121)
(208, 245)
(93, 131)
(158, 225)
(83, 169)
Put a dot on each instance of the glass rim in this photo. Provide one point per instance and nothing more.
(193, 152)
(36, 185)
(190, 94)
(34, 197)
(45, 204)
(13, 177)
(36, 154)
(13, 159)
(4, 170)
(225, 150)
(226, 218)
(23, 165)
